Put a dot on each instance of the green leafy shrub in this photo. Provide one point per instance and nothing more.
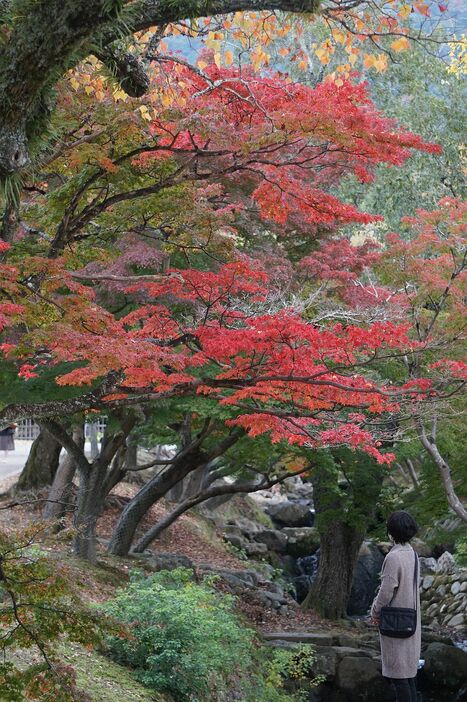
(185, 638)
(460, 553)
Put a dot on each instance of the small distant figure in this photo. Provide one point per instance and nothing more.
(7, 442)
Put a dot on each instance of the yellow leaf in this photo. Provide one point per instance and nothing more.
(353, 58)
(74, 83)
(381, 63)
(229, 58)
(88, 89)
(166, 100)
(401, 44)
(217, 59)
(202, 65)
(323, 55)
(120, 95)
(338, 36)
(145, 113)
(405, 11)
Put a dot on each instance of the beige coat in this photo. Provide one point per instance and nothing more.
(400, 656)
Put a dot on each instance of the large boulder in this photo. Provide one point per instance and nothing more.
(422, 548)
(361, 680)
(292, 514)
(301, 541)
(274, 540)
(365, 579)
(165, 561)
(446, 563)
(445, 665)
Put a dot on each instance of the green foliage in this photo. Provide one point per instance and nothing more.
(185, 638)
(349, 484)
(420, 93)
(460, 553)
(38, 609)
(295, 666)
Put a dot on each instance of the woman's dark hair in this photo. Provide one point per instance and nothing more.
(401, 526)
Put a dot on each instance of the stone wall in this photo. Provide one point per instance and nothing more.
(444, 599)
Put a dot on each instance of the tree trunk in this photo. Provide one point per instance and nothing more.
(131, 458)
(339, 548)
(95, 480)
(429, 444)
(42, 463)
(89, 505)
(343, 513)
(189, 459)
(60, 492)
(133, 513)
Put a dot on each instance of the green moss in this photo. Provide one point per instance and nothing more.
(101, 678)
(106, 681)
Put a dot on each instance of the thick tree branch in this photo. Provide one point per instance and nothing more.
(203, 496)
(52, 37)
(127, 69)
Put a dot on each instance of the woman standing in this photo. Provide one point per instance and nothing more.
(7, 442)
(400, 656)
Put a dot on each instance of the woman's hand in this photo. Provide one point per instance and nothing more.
(374, 620)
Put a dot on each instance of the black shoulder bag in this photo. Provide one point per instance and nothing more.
(400, 622)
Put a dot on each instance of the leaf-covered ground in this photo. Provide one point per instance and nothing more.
(102, 679)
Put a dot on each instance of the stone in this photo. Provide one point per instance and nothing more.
(445, 665)
(361, 680)
(248, 526)
(384, 547)
(275, 598)
(458, 620)
(236, 541)
(462, 694)
(446, 563)
(167, 561)
(464, 586)
(291, 514)
(325, 663)
(441, 590)
(427, 565)
(352, 651)
(301, 541)
(421, 548)
(427, 581)
(365, 578)
(455, 587)
(274, 539)
(254, 549)
(318, 639)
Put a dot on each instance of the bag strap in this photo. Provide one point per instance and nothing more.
(415, 579)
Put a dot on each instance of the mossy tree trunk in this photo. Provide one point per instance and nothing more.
(60, 494)
(42, 463)
(346, 489)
